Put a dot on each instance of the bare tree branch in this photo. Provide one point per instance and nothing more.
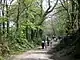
(11, 2)
(53, 7)
(57, 12)
(63, 5)
(48, 10)
(49, 2)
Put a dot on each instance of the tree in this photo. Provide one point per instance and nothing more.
(48, 10)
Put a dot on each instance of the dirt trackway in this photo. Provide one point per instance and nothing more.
(39, 54)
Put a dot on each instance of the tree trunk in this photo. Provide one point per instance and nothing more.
(32, 34)
(78, 12)
(0, 31)
(26, 32)
(3, 20)
(7, 18)
(17, 21)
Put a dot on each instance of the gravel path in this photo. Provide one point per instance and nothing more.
(39, 54)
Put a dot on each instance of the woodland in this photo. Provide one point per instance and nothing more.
(23, 25)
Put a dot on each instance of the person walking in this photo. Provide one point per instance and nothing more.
(47, 41)
(43, 43)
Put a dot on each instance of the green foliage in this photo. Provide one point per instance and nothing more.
(3, 19)
(25, 16)
(1, 58)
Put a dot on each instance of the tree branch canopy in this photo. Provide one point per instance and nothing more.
(49, 10)
(63, 5)
(11, 1)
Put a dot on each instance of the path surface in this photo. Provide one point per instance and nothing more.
(39, 54)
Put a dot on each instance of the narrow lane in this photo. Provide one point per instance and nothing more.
(39, 54)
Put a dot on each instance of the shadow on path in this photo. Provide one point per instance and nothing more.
(58, 55)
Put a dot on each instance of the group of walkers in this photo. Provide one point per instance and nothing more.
(45, 43)
(49, 42)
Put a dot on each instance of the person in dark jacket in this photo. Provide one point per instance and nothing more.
(47, 41)
(43, 44)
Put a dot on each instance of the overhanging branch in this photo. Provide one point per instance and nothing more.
(63, 5)
(48, 10)
(57, 12)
